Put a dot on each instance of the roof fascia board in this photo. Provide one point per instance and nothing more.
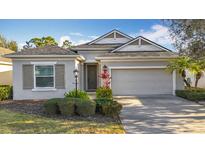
(80, 57)
(155, 44)
(130, 58)
(78, 49)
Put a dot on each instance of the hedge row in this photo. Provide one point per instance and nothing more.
(70, 106)
(6, 92)
(192, 94)
(108, 107)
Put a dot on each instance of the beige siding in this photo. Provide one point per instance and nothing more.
(6, 78)
(60, 76)
(28, 77)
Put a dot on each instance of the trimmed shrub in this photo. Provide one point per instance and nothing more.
(195, 89)
(104, 92)
(85, 108)
(99, 103)
(111, 109)
(51, 106)
(6, 92)
(80, 94)
(192, 94)
(67, 106)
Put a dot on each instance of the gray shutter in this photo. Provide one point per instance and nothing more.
(28, 76)
(60, 76)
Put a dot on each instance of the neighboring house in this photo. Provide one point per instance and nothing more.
(5, 67)
(137, 67)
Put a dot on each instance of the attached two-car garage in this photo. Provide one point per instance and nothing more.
(141, 81)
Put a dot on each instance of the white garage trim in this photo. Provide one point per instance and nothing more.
(174, 82)
(144, 67)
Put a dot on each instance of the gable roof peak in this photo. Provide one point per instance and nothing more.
(110, 32)
(145, 39)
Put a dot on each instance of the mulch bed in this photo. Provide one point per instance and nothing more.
(35, 107)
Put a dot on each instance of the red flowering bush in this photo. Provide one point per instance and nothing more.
(104, 91)
(105, 76)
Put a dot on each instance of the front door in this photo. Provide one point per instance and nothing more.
(91, 77)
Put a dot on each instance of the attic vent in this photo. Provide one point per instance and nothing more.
(143, 42)
(135, 42)
(110, 36)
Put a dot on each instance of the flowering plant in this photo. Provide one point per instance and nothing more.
(105, 76)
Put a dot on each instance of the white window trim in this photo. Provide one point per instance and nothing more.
(43, 63)
(34, 76)
(145, 67)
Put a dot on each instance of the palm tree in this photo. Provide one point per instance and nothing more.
(197, 67)
(180, 64)
(67, 44)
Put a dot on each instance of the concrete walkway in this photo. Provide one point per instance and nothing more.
(161, 114)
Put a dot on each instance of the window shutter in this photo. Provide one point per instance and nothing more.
(28, 76)
(60, 76)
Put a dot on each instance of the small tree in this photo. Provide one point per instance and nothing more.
(40, 42)
(105, 76)
(12, 45)
(197, 67)
(105, 91)
(180, 64)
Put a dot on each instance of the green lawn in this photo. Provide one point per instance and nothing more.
(12, 123)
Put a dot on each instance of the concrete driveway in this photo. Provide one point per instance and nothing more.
(161, 114)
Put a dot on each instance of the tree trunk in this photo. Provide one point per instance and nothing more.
(198, 76)
(196, 83)
(184, 78)
(187, 84)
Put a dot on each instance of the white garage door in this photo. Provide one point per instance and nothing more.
(141, 82)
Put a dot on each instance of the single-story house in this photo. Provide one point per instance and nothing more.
(137, 67)
(5, 67)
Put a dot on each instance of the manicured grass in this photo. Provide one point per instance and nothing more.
(13, 122)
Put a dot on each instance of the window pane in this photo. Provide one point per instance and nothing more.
(44, 70)
(44, 82)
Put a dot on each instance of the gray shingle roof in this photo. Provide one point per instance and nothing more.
(48, 50)
(157, 54)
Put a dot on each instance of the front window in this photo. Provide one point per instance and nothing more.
(44, 76)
